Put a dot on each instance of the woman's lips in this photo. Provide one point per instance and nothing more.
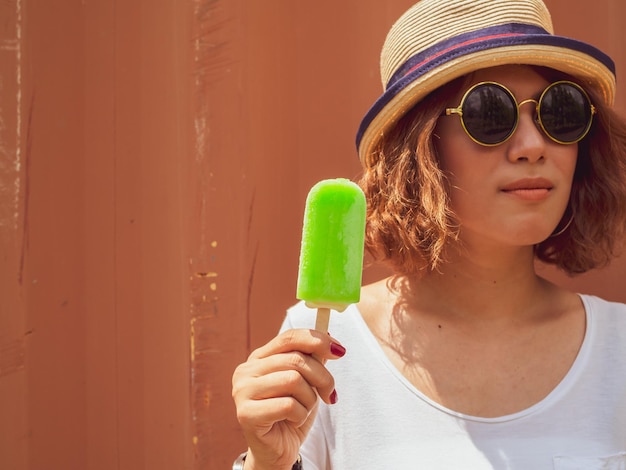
(529, 189)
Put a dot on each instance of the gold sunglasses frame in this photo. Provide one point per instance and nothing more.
(459, 110)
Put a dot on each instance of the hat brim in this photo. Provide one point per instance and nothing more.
(592, 67)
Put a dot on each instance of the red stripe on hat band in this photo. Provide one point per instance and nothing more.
(462, 44)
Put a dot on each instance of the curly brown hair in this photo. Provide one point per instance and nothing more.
(409, 217)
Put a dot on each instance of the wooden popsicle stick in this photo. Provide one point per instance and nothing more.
(322, 319)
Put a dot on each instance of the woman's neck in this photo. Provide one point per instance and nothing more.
(482, 285)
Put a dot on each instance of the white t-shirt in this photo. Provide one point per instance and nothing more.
(382, 421)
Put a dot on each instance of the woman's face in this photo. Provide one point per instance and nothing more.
(514, 193)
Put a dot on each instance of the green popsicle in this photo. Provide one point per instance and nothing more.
(331, 255)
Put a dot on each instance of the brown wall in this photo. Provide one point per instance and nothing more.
(154, 160)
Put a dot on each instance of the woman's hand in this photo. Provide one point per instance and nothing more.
(276, 393)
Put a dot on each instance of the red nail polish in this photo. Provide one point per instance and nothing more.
(337, 350)
(333, 397)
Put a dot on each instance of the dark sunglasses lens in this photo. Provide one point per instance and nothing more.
(489, 114)
(565, 112)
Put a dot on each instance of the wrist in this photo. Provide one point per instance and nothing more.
(245, 461)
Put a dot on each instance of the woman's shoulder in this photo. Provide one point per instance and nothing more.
(607, 322)
(599, 305)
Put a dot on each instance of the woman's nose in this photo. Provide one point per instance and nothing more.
(528, 141)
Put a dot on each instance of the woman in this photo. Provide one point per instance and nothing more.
(493, 145)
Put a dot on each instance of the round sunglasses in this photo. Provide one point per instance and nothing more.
(489, 112)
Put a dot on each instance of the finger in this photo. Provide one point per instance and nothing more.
(304, 363)
(288, 383)
(305, 368)
(261, 378)
(263, 414)
(312, 342)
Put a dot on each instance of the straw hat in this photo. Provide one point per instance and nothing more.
(436, 41)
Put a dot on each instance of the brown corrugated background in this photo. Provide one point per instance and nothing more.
(154, 160)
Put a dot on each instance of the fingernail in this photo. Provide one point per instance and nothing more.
(333, 397)
(337, 349)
